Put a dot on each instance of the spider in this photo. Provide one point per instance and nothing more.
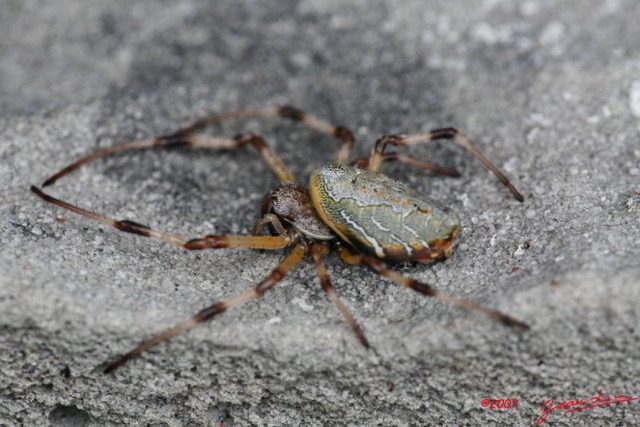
(350, 207)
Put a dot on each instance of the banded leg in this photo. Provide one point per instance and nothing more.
(377, 156)
(363, 163)
(206, 242)
(383, 270)
(319, 251)
(207, 313)
(344, 134)
(177, 140)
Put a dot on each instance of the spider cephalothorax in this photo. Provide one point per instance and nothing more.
(292, 202)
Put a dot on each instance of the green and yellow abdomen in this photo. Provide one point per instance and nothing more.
(380, 216)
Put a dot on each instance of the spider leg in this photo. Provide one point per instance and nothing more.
(383, 270)
(206, 242)
(268, 219)
(209, 312)
(345, 135)
(363, 163)
(185, 136)
(319, 251)
(377, 156)
(177, 140)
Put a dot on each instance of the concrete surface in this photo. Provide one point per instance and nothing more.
(549, 90)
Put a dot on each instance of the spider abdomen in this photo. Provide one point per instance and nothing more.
(381, 216)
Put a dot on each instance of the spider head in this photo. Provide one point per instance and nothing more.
(292, 203)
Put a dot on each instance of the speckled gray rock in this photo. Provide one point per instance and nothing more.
(549, 91)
